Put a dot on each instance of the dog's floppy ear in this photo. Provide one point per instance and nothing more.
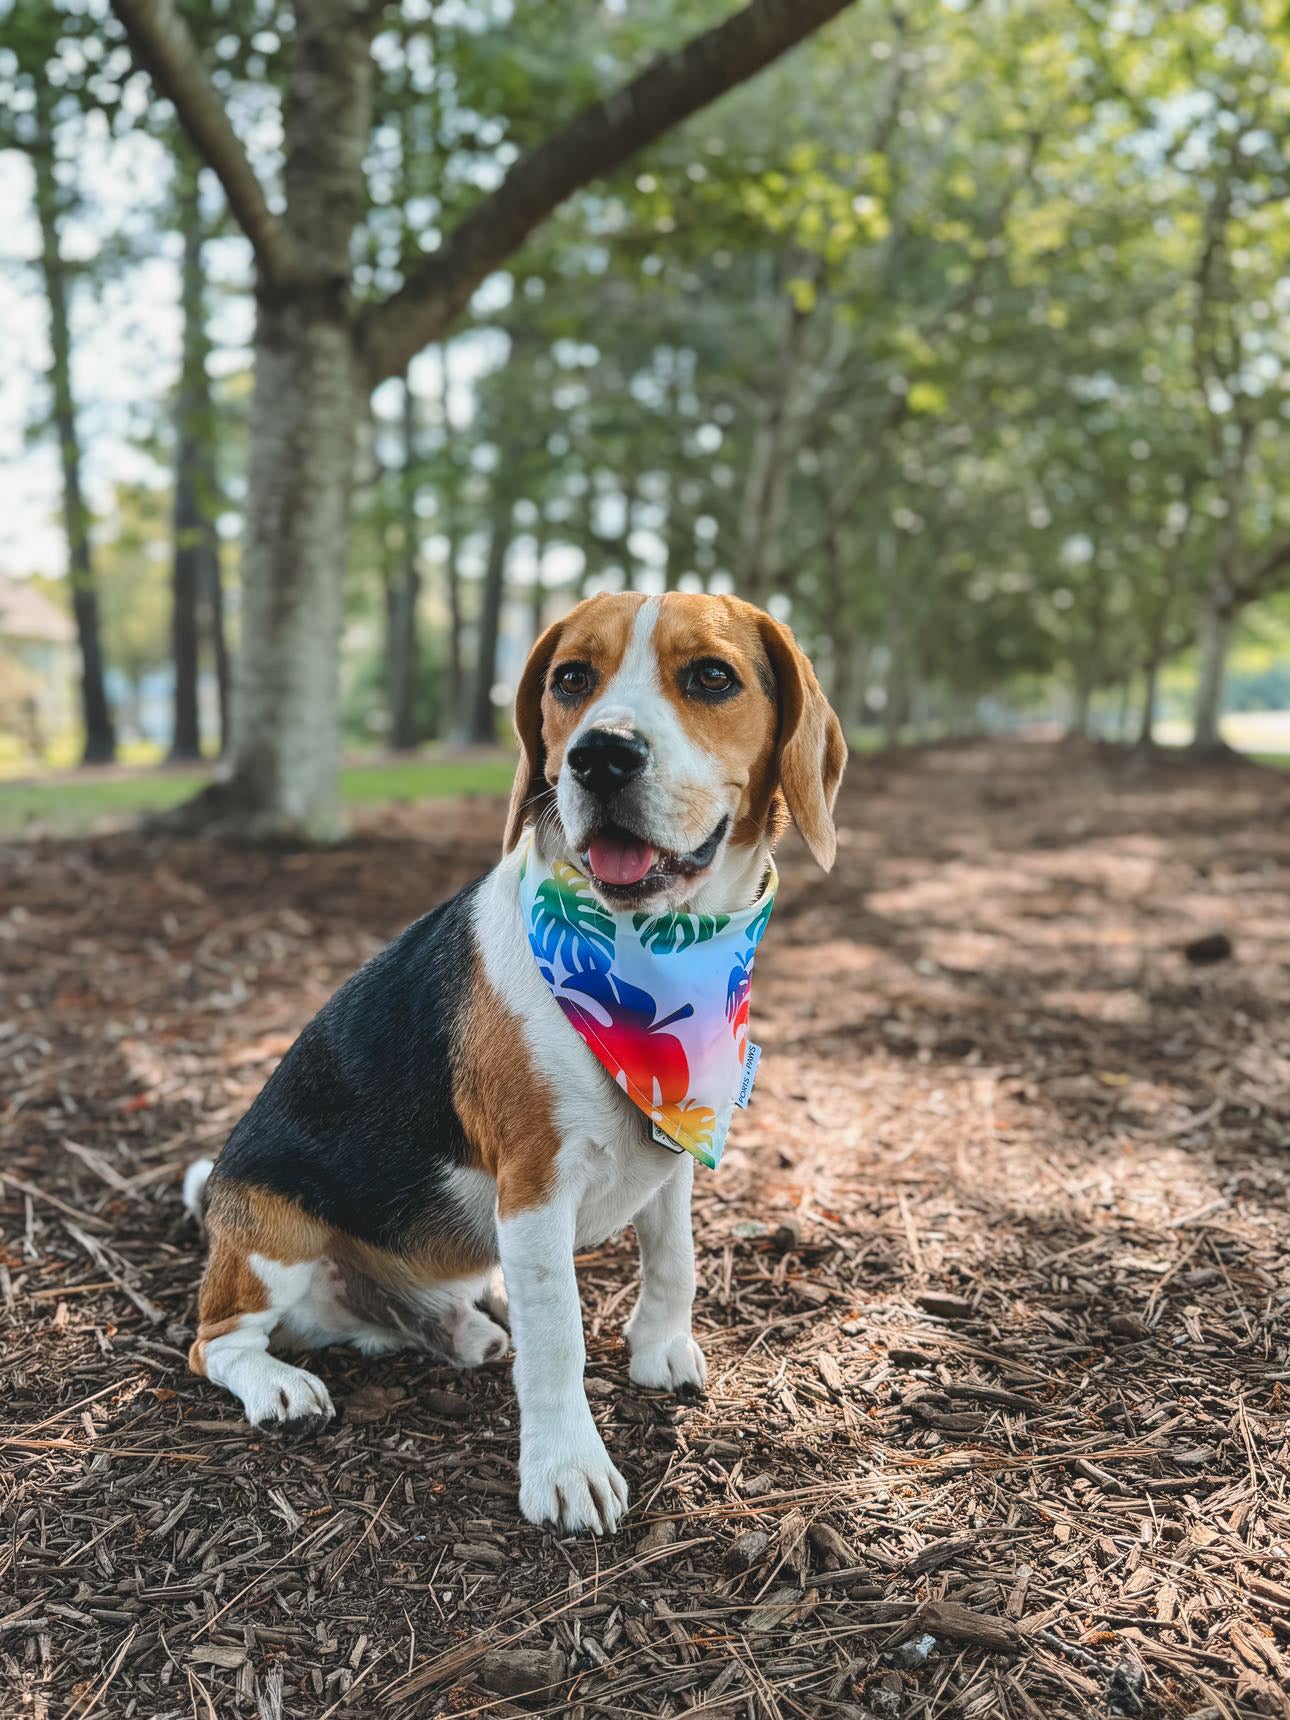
(530, 778)
(812, 748)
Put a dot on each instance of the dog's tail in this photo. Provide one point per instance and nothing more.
(195, 1185)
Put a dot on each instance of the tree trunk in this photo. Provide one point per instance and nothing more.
(674, 543)
(1151, 670)
(1216, 628)
(453, 709)
(402, 648)
(100, 734)
(1147, 719)
(195, 576)
(765, 498)
(677, 542)
(452, 720)
(626, 554)
(537, 603)
(284, 781)
(483, 712)
(843, 641)
(592, 550)
(1081, 706)
(219, 644)
(896, 680)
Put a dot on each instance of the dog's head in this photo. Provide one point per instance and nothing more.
(664, 742)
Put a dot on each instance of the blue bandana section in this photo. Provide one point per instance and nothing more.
(661, 1000)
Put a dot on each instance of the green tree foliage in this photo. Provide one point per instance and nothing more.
(959, 336)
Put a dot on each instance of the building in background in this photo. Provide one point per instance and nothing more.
(37, 669)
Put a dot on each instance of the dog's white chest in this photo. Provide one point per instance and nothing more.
(620, 1169)
(605, 1148)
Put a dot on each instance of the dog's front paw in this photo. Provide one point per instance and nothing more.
(571, 1484)
(286, 1399)
(673, 1365)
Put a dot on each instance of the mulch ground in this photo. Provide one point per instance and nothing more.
(994, 1288)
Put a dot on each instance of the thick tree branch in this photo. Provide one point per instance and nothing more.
(1267, 575)
(593, 143)
(160, 39)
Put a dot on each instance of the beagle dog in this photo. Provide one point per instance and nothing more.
(438, 1116)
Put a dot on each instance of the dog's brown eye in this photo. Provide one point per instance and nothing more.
(571, 681)
(710, 679)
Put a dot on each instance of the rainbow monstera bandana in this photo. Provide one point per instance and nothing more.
(661, 1000)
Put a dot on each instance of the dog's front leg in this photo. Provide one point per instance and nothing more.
(664, 1354)
(566, 1476)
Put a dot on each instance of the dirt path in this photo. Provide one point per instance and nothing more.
(995, 1289)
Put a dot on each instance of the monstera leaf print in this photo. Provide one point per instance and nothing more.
(739, 999)
(568, 921)
(757, 926)
(691, 1126)
(739, 983)
(666, 933)
(617, 1021)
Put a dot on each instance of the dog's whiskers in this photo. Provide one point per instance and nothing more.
(548, 820)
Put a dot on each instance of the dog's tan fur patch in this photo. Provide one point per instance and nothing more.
(504, 1104)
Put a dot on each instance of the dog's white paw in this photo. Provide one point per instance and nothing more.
(571, 1484)
(494, 1300)
(477, 1339)
(277, 1395)
(673, 1365)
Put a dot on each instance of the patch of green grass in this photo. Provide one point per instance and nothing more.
(82, 803)
(1278, 761)
(79, 805)
(426, 779)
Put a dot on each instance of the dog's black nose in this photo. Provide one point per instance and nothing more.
(605, 761)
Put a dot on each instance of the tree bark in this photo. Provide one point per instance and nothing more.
(483, 713)
(1081, 707)
(896, 711)
(1217, 626)
(765, 499)
(402, 644)
(1147, 717)
(843, 641)
(223, 664)
(100, 732)
(1156, 653)
(592, 546)
(452, 723)
(284, 781)
(537, 602)
(674, 541)
(195, 578)
(626, 554)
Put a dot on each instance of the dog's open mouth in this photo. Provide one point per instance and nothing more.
(626, 867)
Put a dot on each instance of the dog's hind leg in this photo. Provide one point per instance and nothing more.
(494, 1301)
(262, 1273)
(465, 1332)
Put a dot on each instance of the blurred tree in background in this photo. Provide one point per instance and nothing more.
(958, 335)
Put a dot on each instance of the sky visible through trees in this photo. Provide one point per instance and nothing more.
(957, 333)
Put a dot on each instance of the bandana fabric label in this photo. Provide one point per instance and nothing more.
(661, 1000)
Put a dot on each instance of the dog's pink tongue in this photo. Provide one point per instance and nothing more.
(617, 861)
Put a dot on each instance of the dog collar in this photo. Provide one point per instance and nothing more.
(661, 1000)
